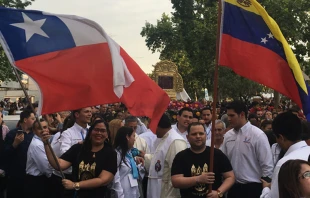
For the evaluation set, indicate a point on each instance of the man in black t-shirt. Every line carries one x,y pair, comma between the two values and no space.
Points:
189,170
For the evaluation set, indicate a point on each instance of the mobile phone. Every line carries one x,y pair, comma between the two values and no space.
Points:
267,179
19,132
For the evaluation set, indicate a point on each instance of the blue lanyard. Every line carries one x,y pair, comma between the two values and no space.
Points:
133,165
83,134
207,130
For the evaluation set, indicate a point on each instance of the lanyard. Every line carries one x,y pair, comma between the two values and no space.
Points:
208,130
133,165
83,134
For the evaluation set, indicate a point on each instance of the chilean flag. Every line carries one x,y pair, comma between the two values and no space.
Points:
76,64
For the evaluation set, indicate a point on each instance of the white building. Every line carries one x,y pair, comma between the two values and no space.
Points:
14,91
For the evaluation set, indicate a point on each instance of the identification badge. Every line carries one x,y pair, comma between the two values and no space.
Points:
133,182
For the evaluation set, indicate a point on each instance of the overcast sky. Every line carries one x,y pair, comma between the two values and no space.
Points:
121,19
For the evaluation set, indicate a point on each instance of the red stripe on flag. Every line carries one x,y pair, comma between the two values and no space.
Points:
83,76
74,78
258,64
144,96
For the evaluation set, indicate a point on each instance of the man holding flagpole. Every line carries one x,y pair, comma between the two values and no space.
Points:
253,46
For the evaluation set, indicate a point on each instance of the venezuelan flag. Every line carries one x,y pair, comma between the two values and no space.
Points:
253,45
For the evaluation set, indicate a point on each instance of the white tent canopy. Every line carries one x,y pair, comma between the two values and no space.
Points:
183,96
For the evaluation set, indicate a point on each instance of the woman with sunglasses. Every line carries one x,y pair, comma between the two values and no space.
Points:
294,179
94,163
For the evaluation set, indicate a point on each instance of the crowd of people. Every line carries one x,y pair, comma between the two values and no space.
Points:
104,151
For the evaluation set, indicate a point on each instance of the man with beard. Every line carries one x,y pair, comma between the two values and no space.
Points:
190,172
206,114
184,118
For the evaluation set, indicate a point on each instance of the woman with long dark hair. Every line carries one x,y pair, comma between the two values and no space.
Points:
94,163
294,179
127,168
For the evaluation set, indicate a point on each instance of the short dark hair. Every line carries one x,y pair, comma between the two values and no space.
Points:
288,125
116,114
75,111
265,123
253,115
238,106
164,122
25,114
131,119
36,123
206,108
305,135
185,109
195,124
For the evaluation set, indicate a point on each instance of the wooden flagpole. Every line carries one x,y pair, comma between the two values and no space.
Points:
215,87
32,108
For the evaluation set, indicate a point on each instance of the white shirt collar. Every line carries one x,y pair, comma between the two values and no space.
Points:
243,128
295,147
79,128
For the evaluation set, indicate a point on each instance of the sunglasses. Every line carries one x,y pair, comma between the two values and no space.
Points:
305,175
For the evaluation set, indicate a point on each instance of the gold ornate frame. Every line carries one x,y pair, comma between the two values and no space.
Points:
168,68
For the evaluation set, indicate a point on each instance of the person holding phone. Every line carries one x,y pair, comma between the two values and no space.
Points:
15,150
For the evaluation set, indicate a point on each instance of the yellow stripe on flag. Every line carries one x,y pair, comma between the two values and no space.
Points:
290,56
251,8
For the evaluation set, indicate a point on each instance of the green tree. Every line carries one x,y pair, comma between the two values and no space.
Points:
188,38
236,87
6,73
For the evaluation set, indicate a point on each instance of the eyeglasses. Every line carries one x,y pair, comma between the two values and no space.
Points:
97,130
305,175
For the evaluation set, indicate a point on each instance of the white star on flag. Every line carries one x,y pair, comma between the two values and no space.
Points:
31,27
264,40
270,35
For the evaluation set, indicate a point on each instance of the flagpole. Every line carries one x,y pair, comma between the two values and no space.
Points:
215,87
37,119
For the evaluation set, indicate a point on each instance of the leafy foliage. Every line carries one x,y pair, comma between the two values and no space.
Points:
188,38
6,73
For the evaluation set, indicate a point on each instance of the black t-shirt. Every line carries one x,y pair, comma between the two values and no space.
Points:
89,166
191,164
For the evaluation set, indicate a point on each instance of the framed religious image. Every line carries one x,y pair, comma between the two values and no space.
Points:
165,82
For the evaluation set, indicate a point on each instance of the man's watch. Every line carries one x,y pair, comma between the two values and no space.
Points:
219,193
76,186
